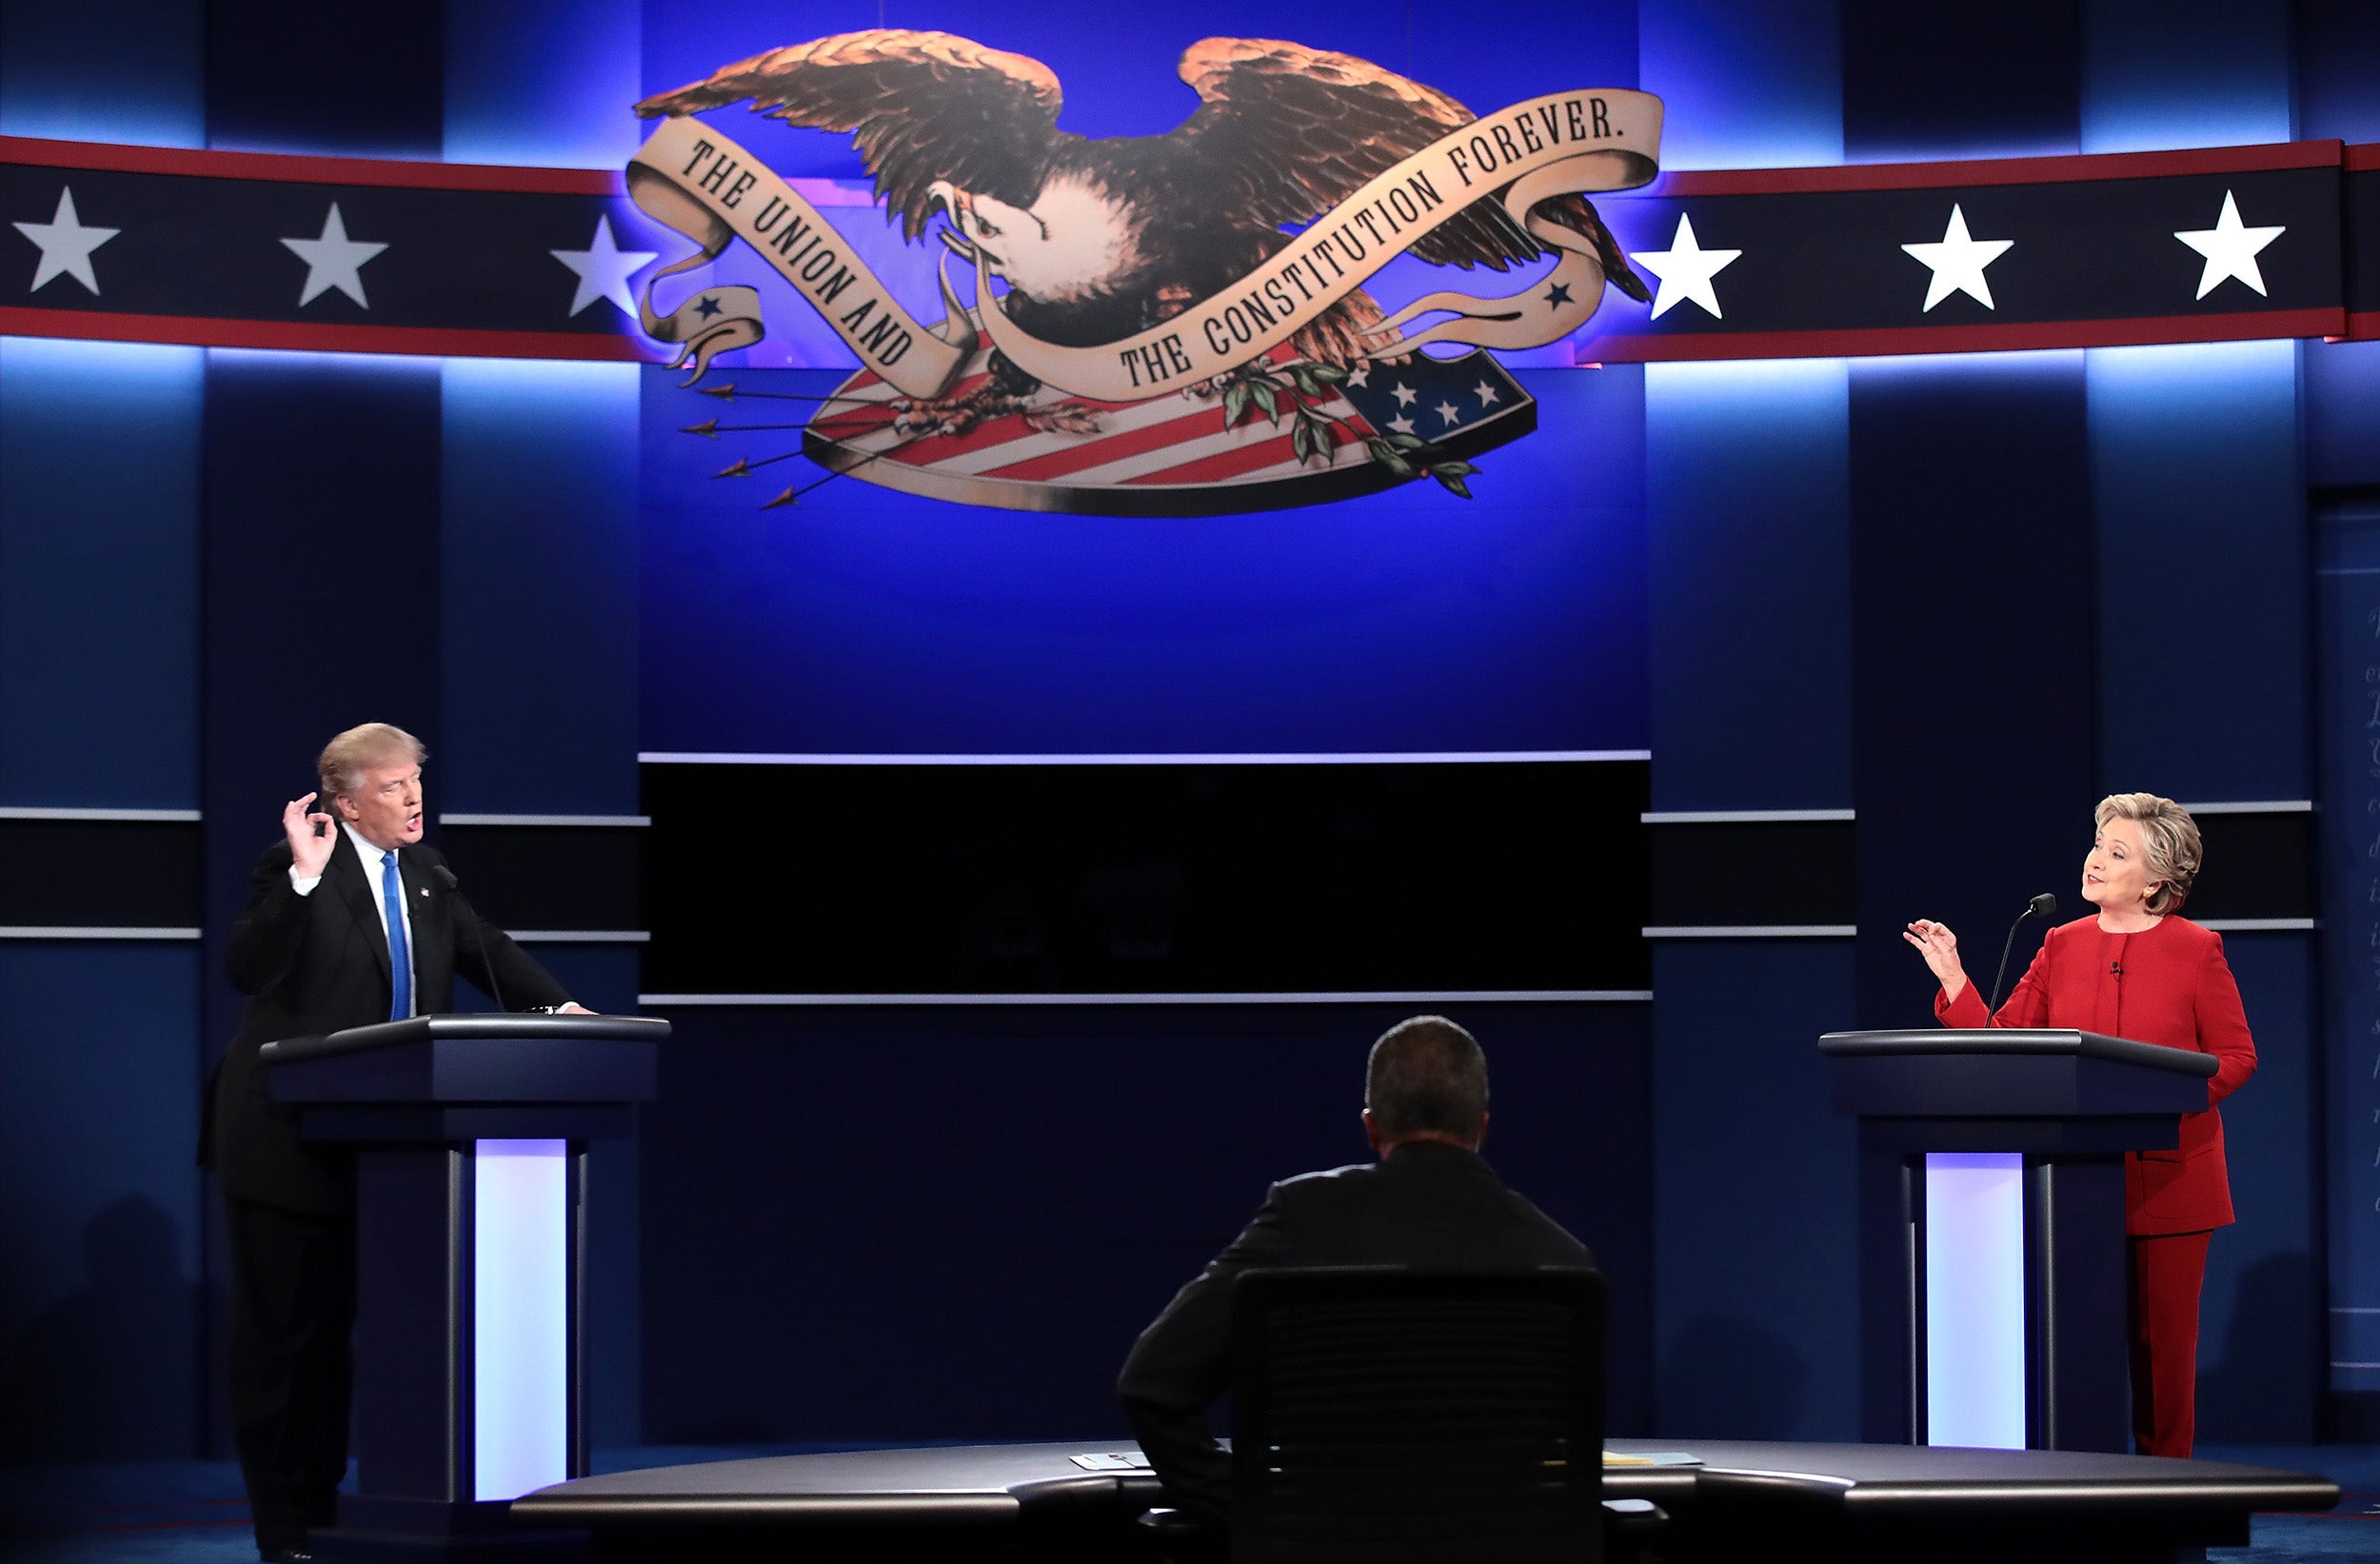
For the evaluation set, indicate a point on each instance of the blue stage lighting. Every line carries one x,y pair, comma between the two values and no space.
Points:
1976,1299
519,1317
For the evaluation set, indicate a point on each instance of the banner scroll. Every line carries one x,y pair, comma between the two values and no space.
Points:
1561,144
705,187
695,180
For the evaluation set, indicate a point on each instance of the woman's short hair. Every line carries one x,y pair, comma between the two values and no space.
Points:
2169,839
358,749
1426,1077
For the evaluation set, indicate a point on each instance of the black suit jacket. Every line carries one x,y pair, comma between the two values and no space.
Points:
316,964
1428,1205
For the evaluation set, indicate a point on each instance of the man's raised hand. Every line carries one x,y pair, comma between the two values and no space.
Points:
309,853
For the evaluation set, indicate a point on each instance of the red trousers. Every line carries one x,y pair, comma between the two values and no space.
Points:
2164,1276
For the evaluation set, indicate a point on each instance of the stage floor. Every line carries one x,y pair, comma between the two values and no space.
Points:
193,1512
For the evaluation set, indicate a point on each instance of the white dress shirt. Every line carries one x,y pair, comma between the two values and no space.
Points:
373,869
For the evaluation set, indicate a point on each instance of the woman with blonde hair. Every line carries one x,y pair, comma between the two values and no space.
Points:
2133,969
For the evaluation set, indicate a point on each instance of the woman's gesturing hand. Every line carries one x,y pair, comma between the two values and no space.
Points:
1939,946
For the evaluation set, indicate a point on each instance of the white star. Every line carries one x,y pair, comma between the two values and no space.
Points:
333,261
1485,392
1685,270
604,270
2229,249
1404,394
1360,374
1448,411
1401,425
1957,263
66,245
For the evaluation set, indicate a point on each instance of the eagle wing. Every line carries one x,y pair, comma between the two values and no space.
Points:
922,107
1292,131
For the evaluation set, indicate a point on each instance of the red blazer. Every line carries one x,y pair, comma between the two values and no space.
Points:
2175,990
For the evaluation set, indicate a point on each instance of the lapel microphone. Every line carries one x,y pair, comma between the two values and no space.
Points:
495,985
2040,906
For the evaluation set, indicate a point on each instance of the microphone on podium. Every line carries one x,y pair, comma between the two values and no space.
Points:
454,888
2040,906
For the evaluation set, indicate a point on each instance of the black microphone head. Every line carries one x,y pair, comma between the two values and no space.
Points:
2042,905
446,877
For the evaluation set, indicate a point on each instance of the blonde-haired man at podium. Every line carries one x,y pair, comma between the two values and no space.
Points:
351,920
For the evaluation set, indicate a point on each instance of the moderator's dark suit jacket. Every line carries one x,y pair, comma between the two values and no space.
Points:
311,964
1425,1204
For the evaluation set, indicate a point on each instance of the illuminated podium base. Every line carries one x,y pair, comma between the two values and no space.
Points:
1991,1227
469,1137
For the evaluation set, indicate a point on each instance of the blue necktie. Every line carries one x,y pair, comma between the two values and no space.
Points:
399,957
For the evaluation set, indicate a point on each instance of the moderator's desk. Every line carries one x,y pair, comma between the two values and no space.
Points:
1748,1500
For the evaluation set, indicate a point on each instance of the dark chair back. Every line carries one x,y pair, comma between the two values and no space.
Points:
1382,1414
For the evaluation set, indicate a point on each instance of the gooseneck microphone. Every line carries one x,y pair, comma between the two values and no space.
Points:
2040,906
496,987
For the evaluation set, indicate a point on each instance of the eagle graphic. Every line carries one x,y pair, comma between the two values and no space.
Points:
1099,239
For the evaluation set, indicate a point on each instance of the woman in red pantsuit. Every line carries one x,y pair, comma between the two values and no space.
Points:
2134,970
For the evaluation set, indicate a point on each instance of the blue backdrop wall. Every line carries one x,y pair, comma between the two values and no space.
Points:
1943,603
875,622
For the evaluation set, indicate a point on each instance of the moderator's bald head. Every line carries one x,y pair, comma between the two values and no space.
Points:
1427,1076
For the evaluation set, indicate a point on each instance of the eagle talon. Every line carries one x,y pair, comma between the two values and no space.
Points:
1062,418
917,417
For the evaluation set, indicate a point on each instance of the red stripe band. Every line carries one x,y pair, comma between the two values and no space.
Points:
1222,465
1196,424
2007,171
309,171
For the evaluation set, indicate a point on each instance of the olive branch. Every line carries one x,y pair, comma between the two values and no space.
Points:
1296,388
1409,455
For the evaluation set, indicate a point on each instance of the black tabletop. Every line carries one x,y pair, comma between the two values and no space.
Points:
998,1484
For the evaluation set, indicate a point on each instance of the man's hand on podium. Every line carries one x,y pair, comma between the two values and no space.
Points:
573,1008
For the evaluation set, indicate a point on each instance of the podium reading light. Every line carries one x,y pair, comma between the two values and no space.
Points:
520,1316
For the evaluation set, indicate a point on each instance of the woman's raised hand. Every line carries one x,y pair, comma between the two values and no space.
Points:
1939,946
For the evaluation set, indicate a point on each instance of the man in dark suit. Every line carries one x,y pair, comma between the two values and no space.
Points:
1429,1201
350,921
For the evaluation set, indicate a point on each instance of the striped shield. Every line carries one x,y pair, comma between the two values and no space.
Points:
1204,451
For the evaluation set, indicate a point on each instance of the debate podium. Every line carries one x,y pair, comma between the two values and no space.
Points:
1991,1226
470,1135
